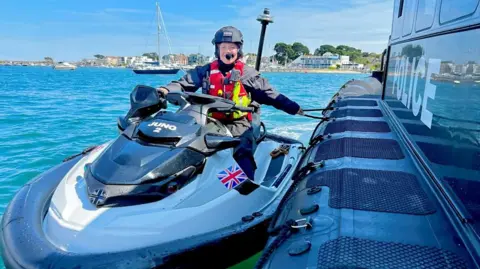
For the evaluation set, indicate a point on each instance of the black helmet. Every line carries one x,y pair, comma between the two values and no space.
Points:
228,34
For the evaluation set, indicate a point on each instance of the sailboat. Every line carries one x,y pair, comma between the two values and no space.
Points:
159,68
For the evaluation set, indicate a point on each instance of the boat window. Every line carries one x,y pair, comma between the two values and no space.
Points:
397,24
425,14
400,10
453,9
432,88
408,16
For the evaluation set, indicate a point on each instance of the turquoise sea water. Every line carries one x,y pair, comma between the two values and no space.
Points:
47,115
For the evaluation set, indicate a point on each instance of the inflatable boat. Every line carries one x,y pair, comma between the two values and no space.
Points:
392,178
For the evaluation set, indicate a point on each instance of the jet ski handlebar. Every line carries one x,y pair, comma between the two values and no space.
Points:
235,108
244,109
182,99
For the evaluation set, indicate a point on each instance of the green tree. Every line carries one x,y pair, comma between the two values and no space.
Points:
165,58
99,56
151,55
283,52
376,66
48,59
299,49
411,52
324,49
347,49
362,60
354,53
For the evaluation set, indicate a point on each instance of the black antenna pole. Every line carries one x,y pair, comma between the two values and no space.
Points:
264,19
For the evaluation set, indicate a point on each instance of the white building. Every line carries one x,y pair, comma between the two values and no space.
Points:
130,60
460,68
476,68
324,61
344,59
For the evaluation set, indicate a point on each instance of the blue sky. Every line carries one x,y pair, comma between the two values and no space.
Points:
73,30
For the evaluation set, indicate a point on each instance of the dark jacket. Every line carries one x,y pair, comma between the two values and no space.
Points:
258,87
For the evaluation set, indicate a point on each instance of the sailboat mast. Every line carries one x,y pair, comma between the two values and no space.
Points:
166,34
158,34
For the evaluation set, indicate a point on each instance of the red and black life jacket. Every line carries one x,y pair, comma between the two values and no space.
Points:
222,86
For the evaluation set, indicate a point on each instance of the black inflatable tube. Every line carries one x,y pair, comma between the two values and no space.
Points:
21,223
24,245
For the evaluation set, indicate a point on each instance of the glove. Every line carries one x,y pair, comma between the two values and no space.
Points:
162,91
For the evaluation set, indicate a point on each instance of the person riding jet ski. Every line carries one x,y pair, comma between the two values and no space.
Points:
167,192
230,78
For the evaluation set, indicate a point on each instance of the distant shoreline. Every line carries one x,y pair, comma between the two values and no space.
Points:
311,71
286,70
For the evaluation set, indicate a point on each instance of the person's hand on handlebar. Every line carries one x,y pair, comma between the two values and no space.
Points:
163,91
300,112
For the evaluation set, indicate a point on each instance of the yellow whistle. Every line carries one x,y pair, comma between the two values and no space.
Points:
220,93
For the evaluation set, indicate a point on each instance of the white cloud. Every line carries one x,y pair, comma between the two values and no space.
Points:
365,26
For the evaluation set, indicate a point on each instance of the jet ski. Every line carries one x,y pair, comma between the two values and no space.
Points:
166,193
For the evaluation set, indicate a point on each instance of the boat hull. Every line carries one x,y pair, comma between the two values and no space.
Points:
64,68
157,72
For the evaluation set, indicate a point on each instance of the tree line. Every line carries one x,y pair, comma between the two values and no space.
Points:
289,52
151,55
284,52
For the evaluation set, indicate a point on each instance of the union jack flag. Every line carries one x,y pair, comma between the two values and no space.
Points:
232,176
97,197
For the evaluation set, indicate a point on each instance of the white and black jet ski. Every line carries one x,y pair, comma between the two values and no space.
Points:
167,193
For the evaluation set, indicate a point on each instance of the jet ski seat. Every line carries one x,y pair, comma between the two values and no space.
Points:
256,126
216,127
257,123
